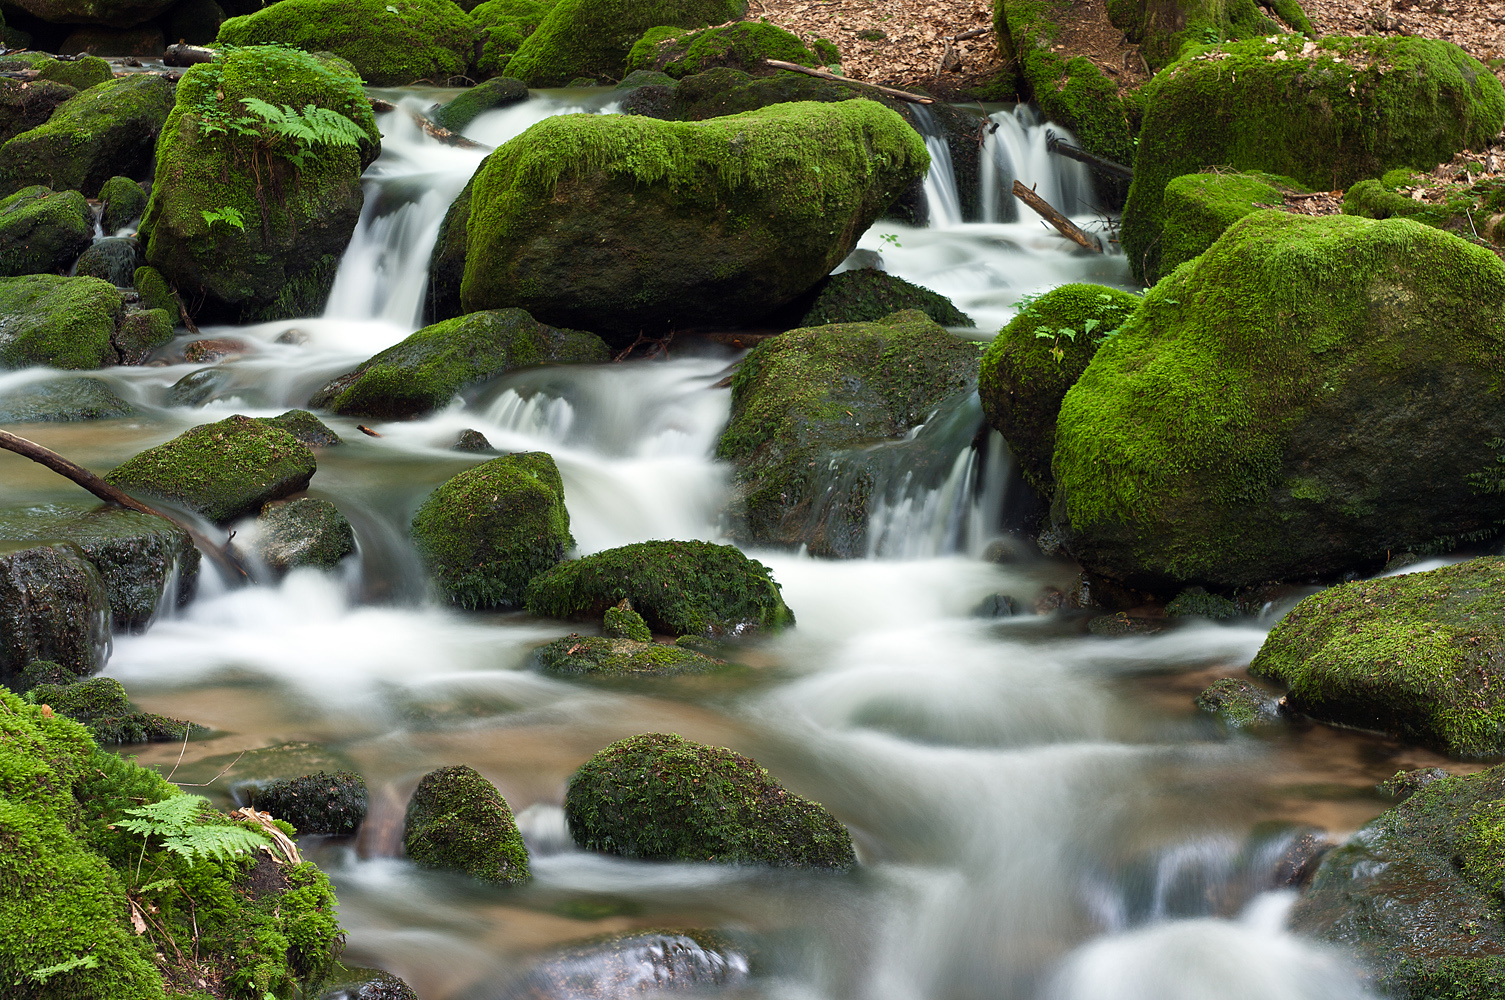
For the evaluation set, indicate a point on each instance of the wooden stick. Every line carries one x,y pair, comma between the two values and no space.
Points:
1058,145
1063,225
221,555
444,135
821,74
975,32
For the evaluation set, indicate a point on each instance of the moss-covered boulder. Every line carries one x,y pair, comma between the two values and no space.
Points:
113,259
500,92
604,656
101,705
625,225
1325,113
502,26
106,130
1239,704
222,471
155,291
660,797
800,397
1416,893
447,261
1470,207
591,38
742,45
48,319
324,802
427,370
1162,28
53,607
25,105
1306,396
866,294
720,92
62,400
622,622
43,231
141,332
1033,361
306,428
295,216
457,820
1199,207
680,588
389,44
488,531
302,532
80,72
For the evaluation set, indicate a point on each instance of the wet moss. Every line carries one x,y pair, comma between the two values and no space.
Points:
1238,703
661,797
324,803
42,231
597,656
80,73
503,26
306,428
866,295
1199,207
1162,28
1197,602
143,727
124,203
155,292
721,92
61,322
302,532
141,332
457,820
498,93
622,622
83,701
742,45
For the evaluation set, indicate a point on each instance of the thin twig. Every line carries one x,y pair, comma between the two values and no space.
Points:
186,730
206,784
821,74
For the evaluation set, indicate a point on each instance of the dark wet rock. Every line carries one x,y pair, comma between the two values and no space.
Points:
204,352
366,984
324,802
457,820
447,262
720,92
744,45
500,92
1124,624
53,606
471,440
306,428
141,332
62,322
113,259
688,961
62,400
1404,784
1196,602
605,656
198,388
302,532
43,231
679,588
1300,848
195,22
146,41
223,471
622,622
866,295
1239,703
487,532
661,797
994,606
25,105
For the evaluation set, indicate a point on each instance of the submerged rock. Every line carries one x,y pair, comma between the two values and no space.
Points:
113,259
324,802
366,984
1125,624
659,797
60,322
867,295
471,440
501,92
53,606
599,656
124,203
647,963
63,399
303,532
43,231
458,820
1238,703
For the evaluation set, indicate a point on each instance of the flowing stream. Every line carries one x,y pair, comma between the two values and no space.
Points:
1039,813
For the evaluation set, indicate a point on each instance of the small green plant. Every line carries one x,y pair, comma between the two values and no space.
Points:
892,239
229,215
175,823
81,962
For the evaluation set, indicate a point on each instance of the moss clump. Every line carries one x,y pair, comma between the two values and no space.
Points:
866,295
621,622
106,130
583,219
144,727
80,73
155,291
1163,28
1028,367
141,332
577,655
124,203
498,93
1306,395
389,44
1199,207
223,471
591,38
680,588
503,26
39,672
306,428
1352,108
1198,603
303,532
324,802
429,368
100,703
42,231
743,45
459,821
663,798
46,319
487,532
1469,209
1238,703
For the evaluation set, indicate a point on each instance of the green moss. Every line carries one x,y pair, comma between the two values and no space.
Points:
324,802
1352,109
721,92
1197,602
459,821
503,27
743,45
42,231
621,622
429,368
80,74
661,797
581,655
302,532
141,332
62,322
306,428
497,93
1163,28
1022,382
155,292
1238,703
866,295
1468,209
124,203
223,471
490,530
1199,207
83,701
144,727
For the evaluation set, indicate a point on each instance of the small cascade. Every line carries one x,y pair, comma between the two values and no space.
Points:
1016,150
940,182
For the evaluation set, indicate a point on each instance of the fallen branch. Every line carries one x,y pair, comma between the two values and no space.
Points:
222,556
974,33
188,55
444,135
821,74
1063,225
1058,145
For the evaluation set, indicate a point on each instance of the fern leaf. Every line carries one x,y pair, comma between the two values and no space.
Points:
214,841
168,816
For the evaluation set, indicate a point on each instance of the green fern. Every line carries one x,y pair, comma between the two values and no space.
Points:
175,822
229,215
81,962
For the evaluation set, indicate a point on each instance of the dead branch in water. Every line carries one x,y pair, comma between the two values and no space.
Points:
1063,225
821,74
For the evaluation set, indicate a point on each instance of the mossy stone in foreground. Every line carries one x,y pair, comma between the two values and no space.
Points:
324,802
743,45
1199,207
865,295
1417,656
457,820
43,231
83,701
603,656
500,92
302,532
680,588
61,322
53,606
223,470
1306,396
660,797
488,531
1022,382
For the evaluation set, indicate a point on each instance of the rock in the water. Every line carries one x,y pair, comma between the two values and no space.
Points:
1307,395
447,261
81,73
46,319
323,802
210,350
801,397
472,441
141,332
663,798
994,606
680,588
39,672
426,370
24,106
1200,207
1404,784
724,91
198,388
223,471
624,225
597,656
501,92
43,231
458,820
490,530
1033,361
63,399
113,259
867,295
1239,703
744,45
1196,602
53,606
83,701
622,622
366,984
677,962
1125,624
303,532
306,428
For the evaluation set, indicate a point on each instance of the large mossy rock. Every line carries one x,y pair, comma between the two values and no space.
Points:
1416,893
1420,656
624,224
1324,113
800,397
866,295
47,319
1033,361
43,231
457,820
106,130
743,45
720,92
53,607
427,370
680,588
1162,28
80,72
660,797
502,26
222,471
333,804
25,105
490,530
1307,395
297,220
389,44
1200,207
591,38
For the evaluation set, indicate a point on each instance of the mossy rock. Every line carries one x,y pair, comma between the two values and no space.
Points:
1239,704
60,322
43,231
659,797
585,220
109,129
80,73
302,532
457,820
503,26
1351,109
1306,396
721,92
1162,28
425,371
62,400
154,289
113,259
1196,602
354,983
866,295
100,703
490,530
53,607
742,45
25,105
323,803
282,263
141,332
603,656
124,203
447,261
1415,894
1023,380
622,622
222,471
144,727
1199,207
39,672
1472,211
306,428
501,92
801,397
591,38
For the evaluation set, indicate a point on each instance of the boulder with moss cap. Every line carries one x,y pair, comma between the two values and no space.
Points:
53,607
608,656
124,201
457,820
43,231
1200,207
500,92
25,105
323,802
743,45
61,322
305,532
865,295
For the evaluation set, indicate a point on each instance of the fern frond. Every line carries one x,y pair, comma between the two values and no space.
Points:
168,816
221,842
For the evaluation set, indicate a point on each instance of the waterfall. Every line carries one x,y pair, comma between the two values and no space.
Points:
1015,149
940,182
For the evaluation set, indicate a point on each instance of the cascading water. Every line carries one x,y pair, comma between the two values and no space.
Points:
940,183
